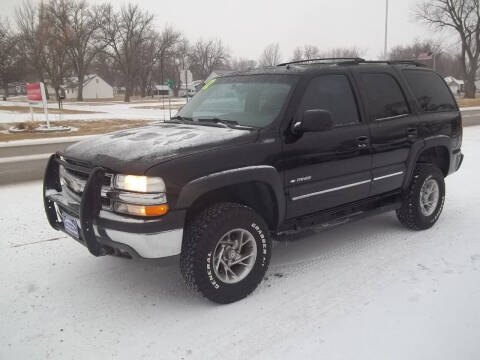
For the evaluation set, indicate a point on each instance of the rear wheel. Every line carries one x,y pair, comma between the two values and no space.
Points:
424,199
225,252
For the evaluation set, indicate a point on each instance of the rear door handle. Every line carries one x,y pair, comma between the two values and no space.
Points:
363,141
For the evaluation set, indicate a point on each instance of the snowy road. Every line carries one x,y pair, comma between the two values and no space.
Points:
367,290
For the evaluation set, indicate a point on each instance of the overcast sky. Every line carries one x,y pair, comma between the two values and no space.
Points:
247,26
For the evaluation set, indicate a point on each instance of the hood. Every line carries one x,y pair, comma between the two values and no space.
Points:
135,150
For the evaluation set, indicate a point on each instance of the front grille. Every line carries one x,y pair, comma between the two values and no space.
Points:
74,177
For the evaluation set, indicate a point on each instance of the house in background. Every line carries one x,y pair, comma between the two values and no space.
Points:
94,87
455,85
14,89
162,90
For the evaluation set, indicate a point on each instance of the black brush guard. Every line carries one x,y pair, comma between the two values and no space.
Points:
88,210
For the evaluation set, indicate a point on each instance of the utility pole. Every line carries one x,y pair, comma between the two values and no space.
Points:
386,30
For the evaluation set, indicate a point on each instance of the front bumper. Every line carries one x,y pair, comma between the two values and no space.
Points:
104,232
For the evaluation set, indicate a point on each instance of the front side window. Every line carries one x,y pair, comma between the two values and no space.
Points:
332,93
430,91
252,100
385,98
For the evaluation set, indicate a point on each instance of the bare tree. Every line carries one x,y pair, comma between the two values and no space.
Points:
33,36
242,64
56,63
310,52
147,58
207,55
307,52
271,55
170,40
297,54
124,33
463,18
415,50
352,52
430,53
107,69
9,56
41,44
77,25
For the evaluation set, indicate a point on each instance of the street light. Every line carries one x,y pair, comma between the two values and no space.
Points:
386,30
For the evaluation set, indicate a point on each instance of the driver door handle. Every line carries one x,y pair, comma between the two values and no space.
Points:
412,132
363,141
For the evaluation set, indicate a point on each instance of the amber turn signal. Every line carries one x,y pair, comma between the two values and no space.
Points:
156,210
140,210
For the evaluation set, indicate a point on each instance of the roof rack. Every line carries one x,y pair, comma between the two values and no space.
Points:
396,62
352,61
331,60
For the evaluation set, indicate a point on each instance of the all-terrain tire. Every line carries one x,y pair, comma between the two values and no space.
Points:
202,234
410,214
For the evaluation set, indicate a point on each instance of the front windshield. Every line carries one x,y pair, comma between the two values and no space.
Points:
251,100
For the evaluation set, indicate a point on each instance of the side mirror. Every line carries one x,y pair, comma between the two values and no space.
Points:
313,121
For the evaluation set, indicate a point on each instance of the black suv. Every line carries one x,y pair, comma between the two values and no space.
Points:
257,154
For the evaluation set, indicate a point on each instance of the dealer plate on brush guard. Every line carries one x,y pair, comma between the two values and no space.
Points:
70,225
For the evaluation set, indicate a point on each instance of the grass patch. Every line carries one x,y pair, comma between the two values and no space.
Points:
468,102
83,128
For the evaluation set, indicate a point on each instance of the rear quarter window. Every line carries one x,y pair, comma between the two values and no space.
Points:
430,91
385,97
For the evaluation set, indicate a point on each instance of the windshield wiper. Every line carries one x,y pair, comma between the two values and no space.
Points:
227,123
216,120
182,118
211,120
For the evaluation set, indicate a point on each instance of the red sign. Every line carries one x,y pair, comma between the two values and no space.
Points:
33,92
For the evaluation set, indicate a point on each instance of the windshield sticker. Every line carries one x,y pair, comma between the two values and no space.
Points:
208,84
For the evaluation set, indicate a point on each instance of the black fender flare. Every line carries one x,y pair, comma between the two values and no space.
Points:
419,147
262,173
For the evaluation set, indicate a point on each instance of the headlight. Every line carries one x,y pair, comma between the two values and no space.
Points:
144,184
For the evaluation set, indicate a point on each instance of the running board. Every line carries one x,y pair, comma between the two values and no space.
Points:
342,215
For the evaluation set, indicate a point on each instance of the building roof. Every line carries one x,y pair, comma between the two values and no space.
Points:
451,80
72,82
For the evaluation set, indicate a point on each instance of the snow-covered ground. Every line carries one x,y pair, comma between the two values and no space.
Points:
102,111
367,290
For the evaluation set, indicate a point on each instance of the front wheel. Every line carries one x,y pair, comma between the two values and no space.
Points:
225,252
424,199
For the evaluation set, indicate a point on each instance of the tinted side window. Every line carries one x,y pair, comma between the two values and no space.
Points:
332,93
385,98
431,92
